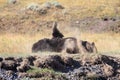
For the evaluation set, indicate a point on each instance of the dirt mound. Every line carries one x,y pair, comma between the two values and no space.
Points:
9,65
102,67
24,66
56,63
71,68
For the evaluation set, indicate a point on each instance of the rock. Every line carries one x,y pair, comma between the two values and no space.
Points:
31,59
12,1
56,65
57,5
70,62
1,78
9,65
25,61
22,75
35,75
105,18
107,69
47,5
38,63
77,22
91,74
24,66
42,11
55,62
19,59
113,19
9,73
118,71
33,6
1,59
1,64
10,58
117,77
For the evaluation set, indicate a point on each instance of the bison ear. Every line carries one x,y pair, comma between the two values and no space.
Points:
93,43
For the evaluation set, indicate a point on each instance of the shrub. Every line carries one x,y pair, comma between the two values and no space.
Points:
33,6
57,5
12,1
47,5
37,8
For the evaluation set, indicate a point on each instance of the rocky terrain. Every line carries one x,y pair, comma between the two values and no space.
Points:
100,67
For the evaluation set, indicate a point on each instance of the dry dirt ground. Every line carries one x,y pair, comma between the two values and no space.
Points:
21,23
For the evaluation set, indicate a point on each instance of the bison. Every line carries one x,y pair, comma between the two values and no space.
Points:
60,44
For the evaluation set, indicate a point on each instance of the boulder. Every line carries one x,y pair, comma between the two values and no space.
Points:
1,59
9,65
9,58
24,66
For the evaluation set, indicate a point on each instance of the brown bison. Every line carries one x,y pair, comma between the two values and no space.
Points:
60,44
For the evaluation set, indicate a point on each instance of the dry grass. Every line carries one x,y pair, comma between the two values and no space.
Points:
17,43
105,42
